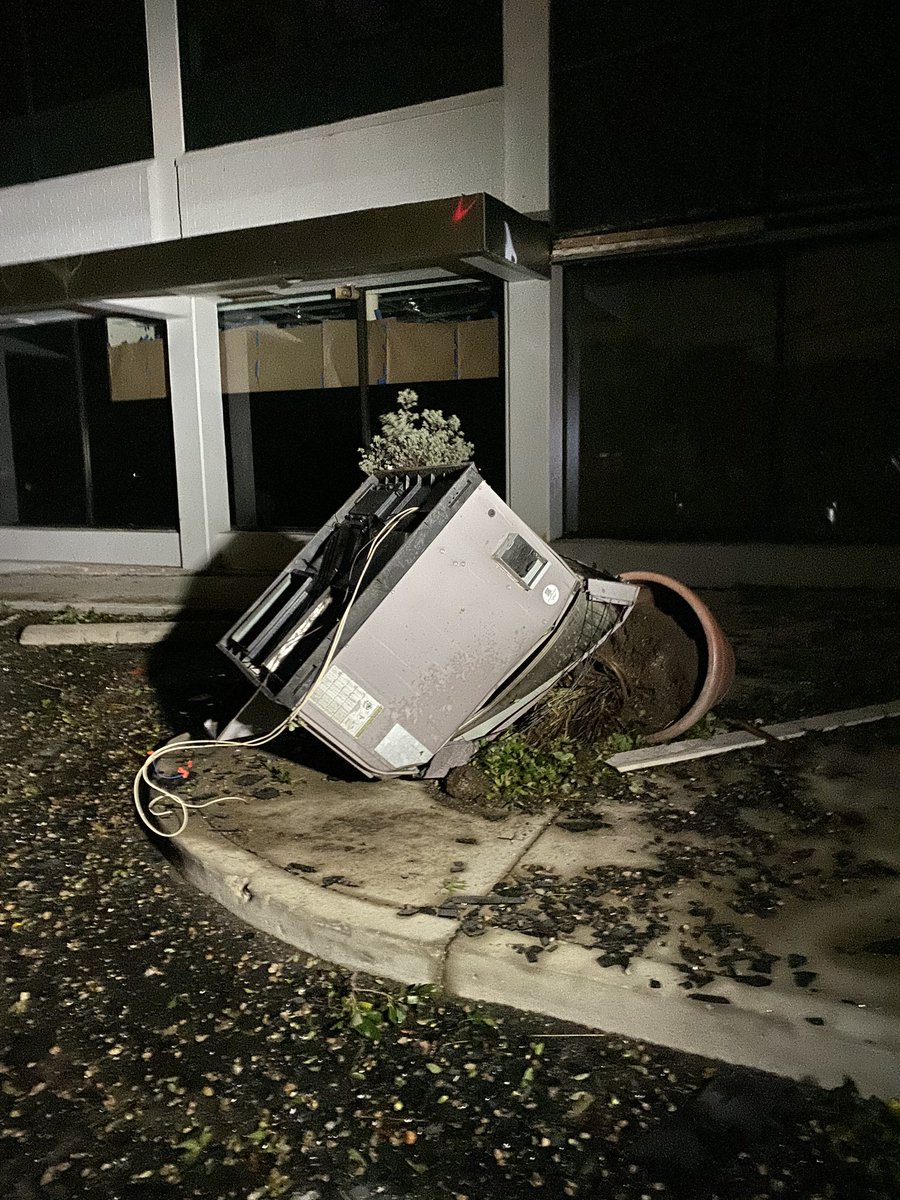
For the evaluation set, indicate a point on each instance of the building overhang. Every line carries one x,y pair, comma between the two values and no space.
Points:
459,236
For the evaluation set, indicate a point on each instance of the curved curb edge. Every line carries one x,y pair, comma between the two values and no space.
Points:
363,935
347,930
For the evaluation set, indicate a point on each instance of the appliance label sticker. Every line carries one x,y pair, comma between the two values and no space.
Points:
344,701
401,749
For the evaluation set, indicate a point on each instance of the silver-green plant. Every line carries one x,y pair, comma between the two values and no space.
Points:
411,439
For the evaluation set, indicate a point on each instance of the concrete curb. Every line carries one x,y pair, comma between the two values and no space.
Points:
343,929
570,986
110,608
91,585
756,1029
117,633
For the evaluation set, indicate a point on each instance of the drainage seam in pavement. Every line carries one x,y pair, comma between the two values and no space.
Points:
526,846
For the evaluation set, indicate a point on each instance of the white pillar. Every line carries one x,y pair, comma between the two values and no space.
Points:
199,431
528,392
557,431
526,25
526,105
161,18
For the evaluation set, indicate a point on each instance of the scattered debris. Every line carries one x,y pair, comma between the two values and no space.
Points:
167,1048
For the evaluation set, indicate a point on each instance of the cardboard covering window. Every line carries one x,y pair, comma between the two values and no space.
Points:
420,353
339,353
137,370
234,360
478,349
264,358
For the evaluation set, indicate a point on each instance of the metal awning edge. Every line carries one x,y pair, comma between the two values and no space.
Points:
463,234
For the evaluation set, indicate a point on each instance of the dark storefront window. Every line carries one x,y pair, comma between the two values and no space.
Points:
292,64
74,90
665,114
737,395
296,415
87,439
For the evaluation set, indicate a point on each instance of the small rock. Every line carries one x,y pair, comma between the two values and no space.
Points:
753,980
764,964
466,783
582,824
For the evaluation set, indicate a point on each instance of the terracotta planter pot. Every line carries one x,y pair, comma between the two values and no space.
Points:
714,658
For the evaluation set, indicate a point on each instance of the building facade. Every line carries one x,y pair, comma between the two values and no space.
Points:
706,383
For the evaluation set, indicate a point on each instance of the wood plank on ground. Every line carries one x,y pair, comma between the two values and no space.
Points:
721,743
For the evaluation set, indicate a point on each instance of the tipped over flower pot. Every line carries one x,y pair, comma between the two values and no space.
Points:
672,657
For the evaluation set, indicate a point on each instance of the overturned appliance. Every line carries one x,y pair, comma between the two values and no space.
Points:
424,616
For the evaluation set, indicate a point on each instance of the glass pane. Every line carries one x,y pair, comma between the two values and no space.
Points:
292,410
385,54
129,421
657,112
48,481
75,92
680,112
744,400
90,425
299,63
15,149
839,435
835,103
673,370
305,455
444,341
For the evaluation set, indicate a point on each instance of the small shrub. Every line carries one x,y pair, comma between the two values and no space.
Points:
411,439
382,1012
526,775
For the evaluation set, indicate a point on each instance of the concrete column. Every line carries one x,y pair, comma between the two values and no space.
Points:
528,392
199,430
161,17
526,109
526,78
556,458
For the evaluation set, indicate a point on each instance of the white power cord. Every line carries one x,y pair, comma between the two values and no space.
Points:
162,796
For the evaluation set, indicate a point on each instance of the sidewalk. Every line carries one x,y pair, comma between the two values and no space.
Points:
742,908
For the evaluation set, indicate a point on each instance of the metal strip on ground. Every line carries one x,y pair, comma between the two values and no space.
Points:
673,752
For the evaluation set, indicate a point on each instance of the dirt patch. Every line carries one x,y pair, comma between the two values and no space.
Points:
659,653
